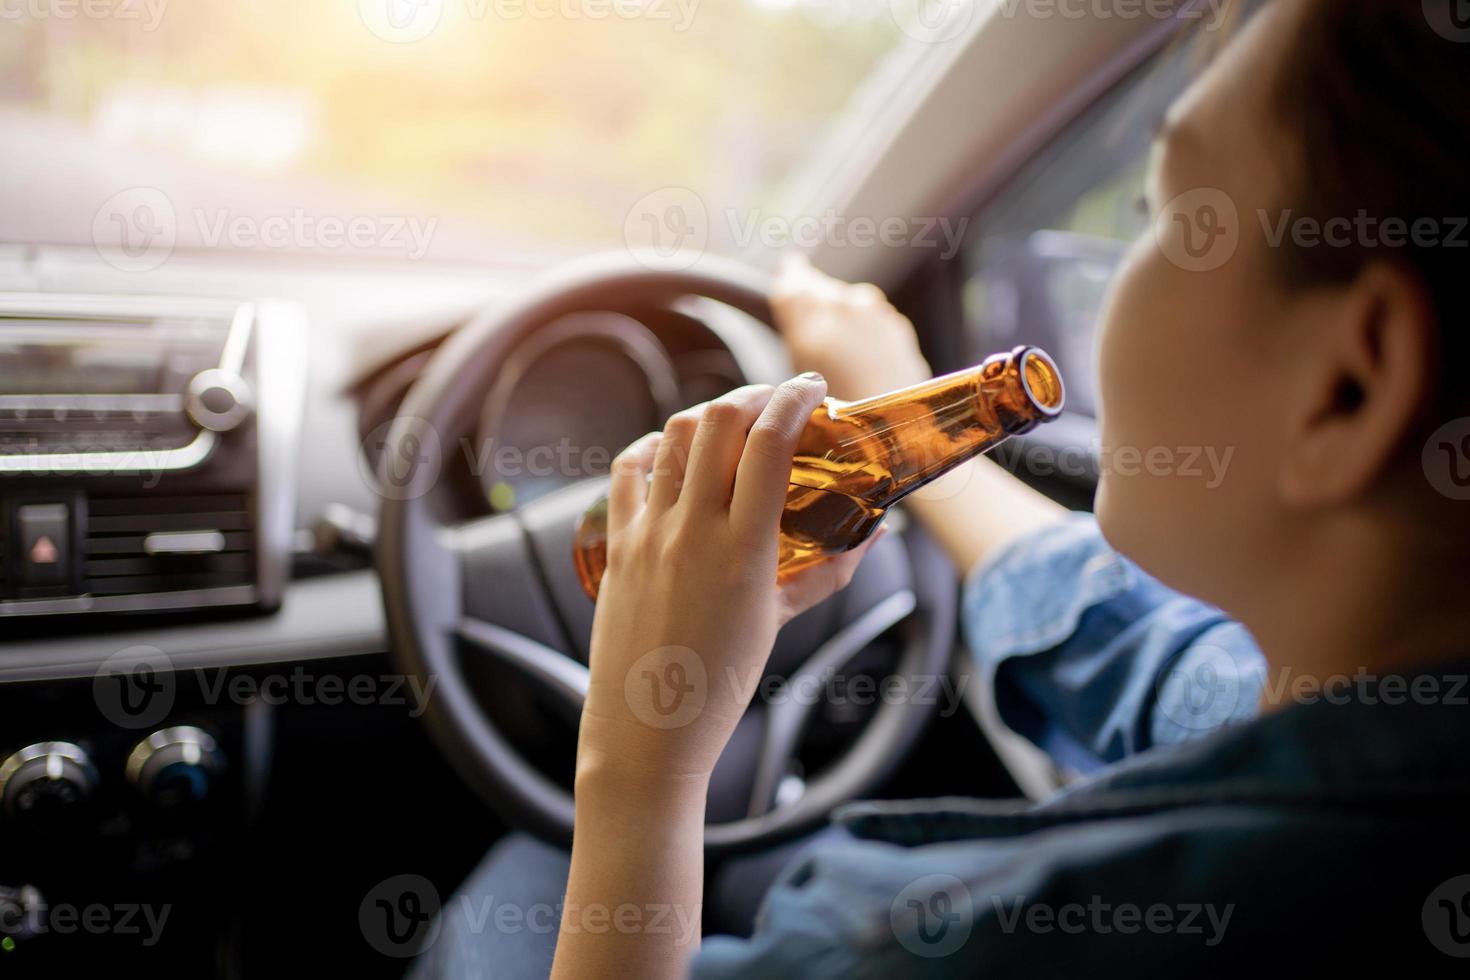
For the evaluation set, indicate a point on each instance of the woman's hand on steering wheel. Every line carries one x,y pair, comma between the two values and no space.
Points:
847,331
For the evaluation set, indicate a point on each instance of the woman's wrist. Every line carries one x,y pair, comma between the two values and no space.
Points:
851,382
606,783
623,752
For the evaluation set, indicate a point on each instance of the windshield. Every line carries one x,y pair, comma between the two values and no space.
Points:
422,129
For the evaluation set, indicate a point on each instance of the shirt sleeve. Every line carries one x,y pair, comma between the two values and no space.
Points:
1092,660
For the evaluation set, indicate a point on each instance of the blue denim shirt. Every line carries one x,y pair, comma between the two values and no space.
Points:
1094,661
1212,844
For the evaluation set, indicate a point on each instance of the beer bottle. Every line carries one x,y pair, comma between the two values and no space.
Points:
856,459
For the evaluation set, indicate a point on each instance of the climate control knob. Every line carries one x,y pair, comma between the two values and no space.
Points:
45,784
176,768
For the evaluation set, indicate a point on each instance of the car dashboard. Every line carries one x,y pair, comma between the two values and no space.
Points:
146,452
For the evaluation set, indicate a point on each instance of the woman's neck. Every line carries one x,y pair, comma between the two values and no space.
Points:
1394,600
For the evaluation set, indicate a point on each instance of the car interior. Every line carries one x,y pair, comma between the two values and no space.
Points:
320,324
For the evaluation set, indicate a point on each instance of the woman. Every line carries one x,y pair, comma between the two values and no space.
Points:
1323,827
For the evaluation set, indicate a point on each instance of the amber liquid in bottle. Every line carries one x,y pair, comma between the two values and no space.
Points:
857,459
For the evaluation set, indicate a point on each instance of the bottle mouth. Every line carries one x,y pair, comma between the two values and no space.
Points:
1042,381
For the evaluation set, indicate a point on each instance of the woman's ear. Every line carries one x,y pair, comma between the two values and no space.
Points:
1369,372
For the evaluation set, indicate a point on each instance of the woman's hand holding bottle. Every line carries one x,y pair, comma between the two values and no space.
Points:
689,606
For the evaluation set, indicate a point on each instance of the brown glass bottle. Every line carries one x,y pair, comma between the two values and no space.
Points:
857,459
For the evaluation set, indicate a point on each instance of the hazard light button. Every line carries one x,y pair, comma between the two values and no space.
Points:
45,544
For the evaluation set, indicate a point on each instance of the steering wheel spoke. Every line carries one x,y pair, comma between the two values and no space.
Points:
500,583
551,670
786,717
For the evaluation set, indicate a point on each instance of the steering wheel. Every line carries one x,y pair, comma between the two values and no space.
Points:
505,587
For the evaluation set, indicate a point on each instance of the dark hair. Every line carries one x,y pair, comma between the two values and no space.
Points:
1376,95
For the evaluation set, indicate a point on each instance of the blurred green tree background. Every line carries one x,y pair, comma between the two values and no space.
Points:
542,126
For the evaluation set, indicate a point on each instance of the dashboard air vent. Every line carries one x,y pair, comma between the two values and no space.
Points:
159,543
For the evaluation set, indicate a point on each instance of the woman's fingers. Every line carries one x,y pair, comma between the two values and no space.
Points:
797,280
672,458
791,274
710,478
764,470
813,584
865,295
629,486
705,453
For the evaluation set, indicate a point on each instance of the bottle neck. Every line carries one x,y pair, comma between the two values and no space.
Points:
912,436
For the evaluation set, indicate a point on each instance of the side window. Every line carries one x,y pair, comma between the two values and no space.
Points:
1046,246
